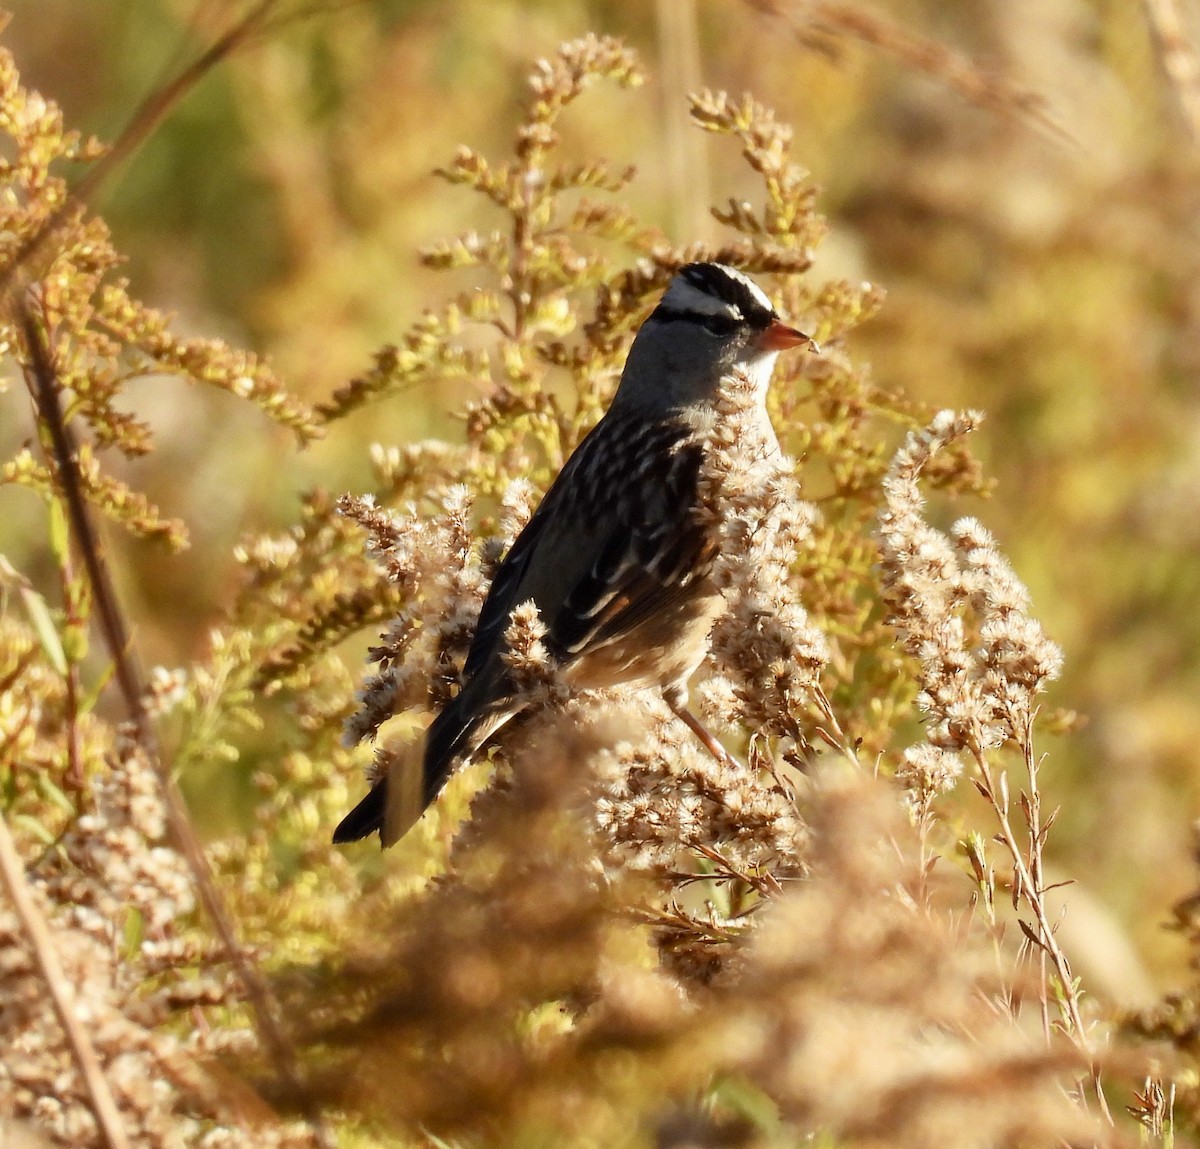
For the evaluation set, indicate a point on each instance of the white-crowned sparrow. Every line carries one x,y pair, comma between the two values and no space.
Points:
617,555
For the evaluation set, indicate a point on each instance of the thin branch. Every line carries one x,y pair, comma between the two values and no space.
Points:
1031,807
766,883
43,385
683,923
1046,936
834,737
104,1106
44,388
75,776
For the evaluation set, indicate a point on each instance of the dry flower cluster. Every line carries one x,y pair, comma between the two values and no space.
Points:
112,894
627,940
773,654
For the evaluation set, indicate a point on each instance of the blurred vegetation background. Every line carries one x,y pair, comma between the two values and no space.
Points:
1019,175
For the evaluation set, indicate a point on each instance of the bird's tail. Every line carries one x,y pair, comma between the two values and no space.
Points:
365,818
454,735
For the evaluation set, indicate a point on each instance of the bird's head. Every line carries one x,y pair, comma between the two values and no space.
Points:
711,321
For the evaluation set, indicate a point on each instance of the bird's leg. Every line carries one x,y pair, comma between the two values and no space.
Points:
678,704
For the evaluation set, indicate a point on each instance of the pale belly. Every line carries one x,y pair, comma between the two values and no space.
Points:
664,650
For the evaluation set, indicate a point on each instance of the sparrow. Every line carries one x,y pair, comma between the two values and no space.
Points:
618,555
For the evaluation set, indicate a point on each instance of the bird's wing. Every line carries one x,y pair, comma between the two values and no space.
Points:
650,550
615,540
512,584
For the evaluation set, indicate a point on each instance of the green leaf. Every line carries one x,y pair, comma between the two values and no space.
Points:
748,1101
34,827
43,624
87,702
75,643
60,535
133,932
50,790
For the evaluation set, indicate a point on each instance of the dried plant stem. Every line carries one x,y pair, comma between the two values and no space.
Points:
926,857
831,732
1031,805
687,167
24,661
1027,874
75,775
766,883
152,111
959,73
678,920
522,246
12,873
120,646
1179,59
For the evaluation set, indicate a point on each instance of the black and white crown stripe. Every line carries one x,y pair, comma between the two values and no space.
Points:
703,290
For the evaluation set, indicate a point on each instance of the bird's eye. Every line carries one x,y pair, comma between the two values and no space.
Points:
719,325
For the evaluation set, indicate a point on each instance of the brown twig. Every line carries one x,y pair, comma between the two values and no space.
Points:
15,727
43,386
1027,886
104,1106
766,883
834,737
145,119
75,774
1031,807
676,920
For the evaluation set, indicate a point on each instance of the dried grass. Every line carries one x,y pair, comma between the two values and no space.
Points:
602,934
